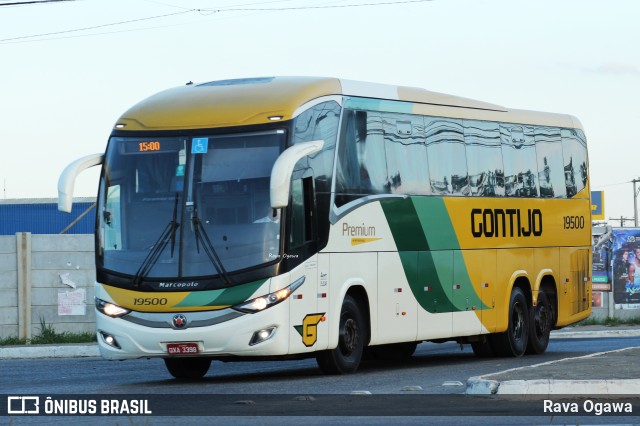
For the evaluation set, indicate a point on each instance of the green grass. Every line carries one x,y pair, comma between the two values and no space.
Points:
49,335
610,322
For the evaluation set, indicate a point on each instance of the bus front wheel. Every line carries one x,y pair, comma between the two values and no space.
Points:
345,358
187,368
513,342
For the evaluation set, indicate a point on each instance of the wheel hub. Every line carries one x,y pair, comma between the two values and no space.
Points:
350,335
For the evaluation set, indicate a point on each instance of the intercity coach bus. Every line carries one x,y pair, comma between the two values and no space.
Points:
297,216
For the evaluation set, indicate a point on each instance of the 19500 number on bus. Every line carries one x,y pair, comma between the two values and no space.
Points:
573,222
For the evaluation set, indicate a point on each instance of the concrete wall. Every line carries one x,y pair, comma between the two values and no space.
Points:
38,274
610,309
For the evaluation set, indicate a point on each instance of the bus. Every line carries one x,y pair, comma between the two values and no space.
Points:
292,217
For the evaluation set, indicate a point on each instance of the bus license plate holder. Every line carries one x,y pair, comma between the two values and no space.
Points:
183,348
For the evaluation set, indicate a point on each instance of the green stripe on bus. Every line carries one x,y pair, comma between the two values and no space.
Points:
405,226
465,297
223,297
430,254
427,279
436,224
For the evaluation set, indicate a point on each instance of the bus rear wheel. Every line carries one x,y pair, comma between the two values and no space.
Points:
540,323
187,368
513,342
345,358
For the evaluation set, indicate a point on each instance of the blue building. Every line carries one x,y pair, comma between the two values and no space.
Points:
41,216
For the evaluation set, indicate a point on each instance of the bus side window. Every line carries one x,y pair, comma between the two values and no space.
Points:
447,156
575,161
362,166
406,154
319,123
550,163
520,165
484,158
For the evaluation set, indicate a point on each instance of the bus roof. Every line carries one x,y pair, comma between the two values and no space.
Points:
260,100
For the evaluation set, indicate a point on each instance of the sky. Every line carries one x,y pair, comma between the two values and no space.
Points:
69,69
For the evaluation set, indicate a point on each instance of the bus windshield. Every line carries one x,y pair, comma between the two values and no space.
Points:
188,207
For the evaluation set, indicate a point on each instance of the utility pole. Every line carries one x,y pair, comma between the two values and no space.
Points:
622,220
635,202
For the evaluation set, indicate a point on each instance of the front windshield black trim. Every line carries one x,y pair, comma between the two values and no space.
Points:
264,271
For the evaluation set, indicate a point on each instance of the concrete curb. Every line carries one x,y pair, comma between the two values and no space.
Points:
479,386
562,334
487,385
49,351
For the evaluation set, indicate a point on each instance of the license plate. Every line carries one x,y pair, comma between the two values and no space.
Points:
182,348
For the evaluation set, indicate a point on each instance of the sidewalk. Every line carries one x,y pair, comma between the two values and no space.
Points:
49,351
604,373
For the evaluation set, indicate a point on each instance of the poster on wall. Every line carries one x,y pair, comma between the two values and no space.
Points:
596,299
600,261
625,270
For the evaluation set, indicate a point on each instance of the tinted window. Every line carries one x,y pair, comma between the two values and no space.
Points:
519,156
318,123
484,158
550,164
574,148
362,163
446,154
406,153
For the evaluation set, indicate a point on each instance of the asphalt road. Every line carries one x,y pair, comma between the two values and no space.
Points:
436,371
436,368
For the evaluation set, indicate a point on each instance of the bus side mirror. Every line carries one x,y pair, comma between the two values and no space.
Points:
67,179
283,169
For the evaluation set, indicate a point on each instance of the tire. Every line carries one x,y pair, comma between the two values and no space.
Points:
187,368
345,358
394,351
540,323
513,342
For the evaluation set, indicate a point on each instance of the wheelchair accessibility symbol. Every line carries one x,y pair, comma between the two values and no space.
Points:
200,145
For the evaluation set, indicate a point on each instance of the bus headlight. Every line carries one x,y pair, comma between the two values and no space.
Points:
110,310
268,300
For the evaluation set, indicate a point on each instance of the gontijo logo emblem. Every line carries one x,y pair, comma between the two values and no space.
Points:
309,328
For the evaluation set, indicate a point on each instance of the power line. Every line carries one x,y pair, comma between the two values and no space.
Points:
210,11
336,6
615,184
20,3
12,39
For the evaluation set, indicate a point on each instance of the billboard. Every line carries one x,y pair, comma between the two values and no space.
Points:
597,205
625,267
601,260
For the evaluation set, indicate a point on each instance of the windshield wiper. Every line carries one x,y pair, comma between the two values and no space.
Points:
169,234
201,233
